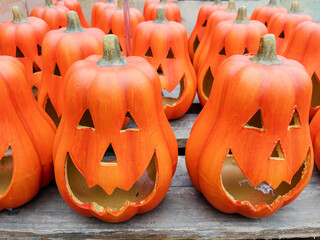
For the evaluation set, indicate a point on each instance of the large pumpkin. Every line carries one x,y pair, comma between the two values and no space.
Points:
103,167
172,11
27,135
250,150
283,25
22,38
197,33
61,48
98,11
54,16
231,37
165,45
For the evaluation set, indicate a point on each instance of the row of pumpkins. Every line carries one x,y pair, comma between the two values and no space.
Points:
114,151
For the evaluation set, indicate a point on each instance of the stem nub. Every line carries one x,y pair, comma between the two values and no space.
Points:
163,1
120,4
161,16
49,4
111,52
295,7
18,16
217,2
267,54
231,6
273,3
74,25
242,16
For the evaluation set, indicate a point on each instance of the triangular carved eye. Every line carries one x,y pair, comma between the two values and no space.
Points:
35,68
281,34
295,120
207,83
256,121
49,108
131,125
196,44
245,51
86,121
223,51
39,50
149,53
19,54
205,23
56,70
170,54
109,156
277,153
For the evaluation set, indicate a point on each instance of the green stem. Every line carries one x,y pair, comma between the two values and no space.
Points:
295,8
242,16
161,16
18,16
231,6
74,25
273,3
49,4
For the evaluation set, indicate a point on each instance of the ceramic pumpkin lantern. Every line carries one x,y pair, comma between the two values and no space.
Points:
283,25
54,16
165,45
73,5
22,38
197,33
61,48
232,37
27,135
98,11
250,150
103,167
172,11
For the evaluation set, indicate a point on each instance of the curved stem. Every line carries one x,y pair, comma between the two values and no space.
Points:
295,8
74,24
49,4
161,16
231,6
242,16
18,16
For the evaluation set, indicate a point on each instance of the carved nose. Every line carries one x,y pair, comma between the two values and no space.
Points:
277,153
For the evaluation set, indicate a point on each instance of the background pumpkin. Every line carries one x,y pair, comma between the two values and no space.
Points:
97,12
172,11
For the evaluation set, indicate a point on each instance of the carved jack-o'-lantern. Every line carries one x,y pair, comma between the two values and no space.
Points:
169,55
22,38
250,150
61,48
106,166
26,138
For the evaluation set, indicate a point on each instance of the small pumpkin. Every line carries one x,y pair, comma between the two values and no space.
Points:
148,2
27,135
169,55
73,5
22,38
197,33
231,37
250,149
283,25
105,168
61,48
172,11
54,16
264,13
98,11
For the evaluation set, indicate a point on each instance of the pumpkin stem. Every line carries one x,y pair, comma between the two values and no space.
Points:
109,1
111,52
49,4
18,16
161,16
242,15
120,4
267,54
231,6
295,8
273,3
74,25
163,1
217,2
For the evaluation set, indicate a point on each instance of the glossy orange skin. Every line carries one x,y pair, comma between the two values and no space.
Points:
26,36
286,22
160,38
55,17
96,13
172,11
242,87
303,47
109,92
264,13
64,49
315,136
27,129
73,5
205,11
234,37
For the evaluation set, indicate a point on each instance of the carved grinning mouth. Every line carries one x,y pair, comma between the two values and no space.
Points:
6,171
138,194
238,187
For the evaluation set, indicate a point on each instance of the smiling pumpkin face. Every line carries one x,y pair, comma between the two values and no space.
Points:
258,155
113,158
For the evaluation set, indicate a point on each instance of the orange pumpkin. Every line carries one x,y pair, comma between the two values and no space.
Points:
165,45
148,2
231,37
264,13
98,11
172,11
73,5
303,47
283,26
250,149
22,38
61,48
197,33
27,135
103,168
54,16
315,136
